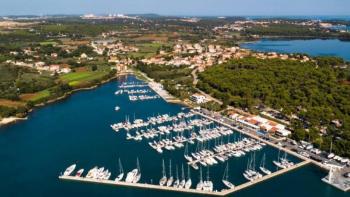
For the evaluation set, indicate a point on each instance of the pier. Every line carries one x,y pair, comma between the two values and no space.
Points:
139,185
264,178
183,190
157,87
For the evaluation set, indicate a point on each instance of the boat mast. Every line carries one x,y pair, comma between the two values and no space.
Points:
183,173
170,168
138,164
207,173
188,172
163,165
120,166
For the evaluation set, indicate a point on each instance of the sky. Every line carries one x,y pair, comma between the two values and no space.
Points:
178,7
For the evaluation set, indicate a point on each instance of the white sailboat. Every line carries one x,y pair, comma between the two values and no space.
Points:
208,185
69,170
134,175
163,180
262,165
121,171
200,183
225,178
177,181
171,178
183,179
189,181
138,175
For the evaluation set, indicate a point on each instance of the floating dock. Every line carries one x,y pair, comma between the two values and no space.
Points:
183,190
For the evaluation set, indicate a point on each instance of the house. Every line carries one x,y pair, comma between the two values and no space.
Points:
83,56
198,98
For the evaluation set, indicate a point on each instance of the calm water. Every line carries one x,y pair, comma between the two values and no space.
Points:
76,130
314,47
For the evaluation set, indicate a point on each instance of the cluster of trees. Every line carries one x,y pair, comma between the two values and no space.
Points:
15,80
312,92
176,80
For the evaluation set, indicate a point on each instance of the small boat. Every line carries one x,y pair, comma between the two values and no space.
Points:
117,108
225,180
69,170
79,173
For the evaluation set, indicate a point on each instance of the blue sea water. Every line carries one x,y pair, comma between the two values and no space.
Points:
76,130
314,47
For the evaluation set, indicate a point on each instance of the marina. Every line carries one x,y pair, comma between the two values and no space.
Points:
93,143
181,189
206,142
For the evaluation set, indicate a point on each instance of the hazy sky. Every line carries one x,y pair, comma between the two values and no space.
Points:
177,7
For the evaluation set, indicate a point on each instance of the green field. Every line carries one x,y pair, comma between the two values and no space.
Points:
48,42
40,95
78,78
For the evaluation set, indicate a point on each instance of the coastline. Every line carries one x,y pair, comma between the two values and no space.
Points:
14,119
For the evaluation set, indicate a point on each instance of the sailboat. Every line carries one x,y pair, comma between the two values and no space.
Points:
189,181
262,165
121,171
171,179
163,180
183,179
208,185
251,174
200,183
225,178
177,181
138,175
134,175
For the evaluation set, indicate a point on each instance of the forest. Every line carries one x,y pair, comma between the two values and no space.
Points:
314,92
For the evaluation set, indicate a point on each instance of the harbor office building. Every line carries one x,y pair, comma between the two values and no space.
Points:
260,125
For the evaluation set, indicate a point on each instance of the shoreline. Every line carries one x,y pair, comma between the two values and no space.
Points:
14,119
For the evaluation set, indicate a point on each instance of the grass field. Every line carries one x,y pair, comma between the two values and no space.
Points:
48,42
35,96
78,78
9,103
